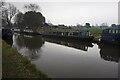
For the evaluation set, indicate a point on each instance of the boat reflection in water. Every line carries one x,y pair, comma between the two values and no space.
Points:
27,45
66,62
109,52
82,45
30,46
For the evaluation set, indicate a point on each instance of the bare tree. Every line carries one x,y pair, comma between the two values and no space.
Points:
5,20
3,11
32,7
2,3
7,13
12,10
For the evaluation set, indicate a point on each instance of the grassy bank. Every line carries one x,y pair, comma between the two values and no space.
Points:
96,32
14,65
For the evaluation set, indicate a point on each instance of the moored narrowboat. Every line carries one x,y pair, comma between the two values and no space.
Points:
83,34
111,35
7,34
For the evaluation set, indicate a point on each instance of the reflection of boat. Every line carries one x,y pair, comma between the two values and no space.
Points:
70,43
109,52
28,45
32,42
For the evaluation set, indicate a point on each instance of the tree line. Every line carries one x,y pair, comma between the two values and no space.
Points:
31,19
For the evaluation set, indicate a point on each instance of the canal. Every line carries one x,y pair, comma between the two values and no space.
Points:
62,58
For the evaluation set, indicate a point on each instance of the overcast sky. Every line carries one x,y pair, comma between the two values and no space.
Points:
73,12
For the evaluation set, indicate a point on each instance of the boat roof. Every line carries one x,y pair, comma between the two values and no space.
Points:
69,30
118,27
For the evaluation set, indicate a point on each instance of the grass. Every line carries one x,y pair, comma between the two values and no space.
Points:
14,65
96,32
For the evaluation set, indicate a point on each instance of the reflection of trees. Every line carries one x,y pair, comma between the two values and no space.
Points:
28,45
70,43
109,52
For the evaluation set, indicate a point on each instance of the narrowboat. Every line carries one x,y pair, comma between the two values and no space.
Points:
7,34
25,31
111,35
83,34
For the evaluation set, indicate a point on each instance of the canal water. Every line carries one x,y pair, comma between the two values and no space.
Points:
62,58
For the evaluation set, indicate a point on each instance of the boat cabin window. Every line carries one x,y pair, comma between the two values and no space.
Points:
84,33
113,31
75,33
119,31
105,31
116,31
110,31
88,33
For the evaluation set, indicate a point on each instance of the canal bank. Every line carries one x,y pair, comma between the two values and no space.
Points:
14,65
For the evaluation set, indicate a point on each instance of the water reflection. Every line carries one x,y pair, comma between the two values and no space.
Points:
65,62
70,43
28,45
109,52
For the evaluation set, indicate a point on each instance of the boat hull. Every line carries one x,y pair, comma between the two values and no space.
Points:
91,38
